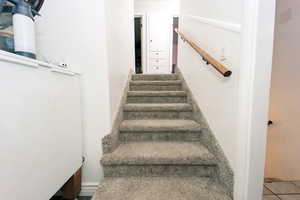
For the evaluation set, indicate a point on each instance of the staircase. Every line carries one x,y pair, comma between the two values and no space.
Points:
159,153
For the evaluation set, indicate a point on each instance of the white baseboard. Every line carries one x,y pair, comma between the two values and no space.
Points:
88,189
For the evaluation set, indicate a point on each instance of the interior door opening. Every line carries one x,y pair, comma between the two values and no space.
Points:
175,44
282,169
138,44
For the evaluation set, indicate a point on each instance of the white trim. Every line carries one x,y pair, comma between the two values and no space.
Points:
171,44
254,87
62,71
147,44
28,62
233,27
16,59
144,43
88,189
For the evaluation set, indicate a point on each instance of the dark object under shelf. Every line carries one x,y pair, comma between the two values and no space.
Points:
72,188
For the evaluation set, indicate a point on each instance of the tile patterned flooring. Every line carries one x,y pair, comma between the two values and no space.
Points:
282,191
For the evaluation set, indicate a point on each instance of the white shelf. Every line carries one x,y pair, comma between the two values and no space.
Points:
28,62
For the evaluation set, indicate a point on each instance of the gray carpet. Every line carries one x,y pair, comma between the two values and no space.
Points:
84,198
79,198
158,188
159,154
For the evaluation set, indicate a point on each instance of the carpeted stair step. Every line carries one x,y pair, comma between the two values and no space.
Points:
160,130
157,153
151,159
157,97
158,111
155,85
155,77
158,188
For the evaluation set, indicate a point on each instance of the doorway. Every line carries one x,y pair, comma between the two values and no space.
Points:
138,37
175,44
282,170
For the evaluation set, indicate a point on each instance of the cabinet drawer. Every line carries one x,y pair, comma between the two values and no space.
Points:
159,54
159,62
156,50
155,69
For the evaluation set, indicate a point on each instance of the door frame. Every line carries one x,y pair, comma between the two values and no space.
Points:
254,89
143,16
172,38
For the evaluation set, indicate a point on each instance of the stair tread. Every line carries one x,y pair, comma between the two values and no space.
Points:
159,153
160,125
157,93
158,188
154,75
158,107
167,82
138,77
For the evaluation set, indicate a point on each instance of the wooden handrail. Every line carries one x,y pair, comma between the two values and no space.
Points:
206,57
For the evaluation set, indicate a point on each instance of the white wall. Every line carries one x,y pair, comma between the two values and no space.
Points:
75,32
41,130
283,137
157,6
120,45
215,26
98,41
241,32
53,26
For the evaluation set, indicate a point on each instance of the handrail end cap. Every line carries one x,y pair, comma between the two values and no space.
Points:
227,74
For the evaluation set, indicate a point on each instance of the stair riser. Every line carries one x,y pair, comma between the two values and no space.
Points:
156,87
151,137
155,78
156,99
158,171
141,115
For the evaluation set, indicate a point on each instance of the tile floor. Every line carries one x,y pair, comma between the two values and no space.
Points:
282,191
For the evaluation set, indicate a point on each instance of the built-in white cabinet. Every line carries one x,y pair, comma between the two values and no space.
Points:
159,37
